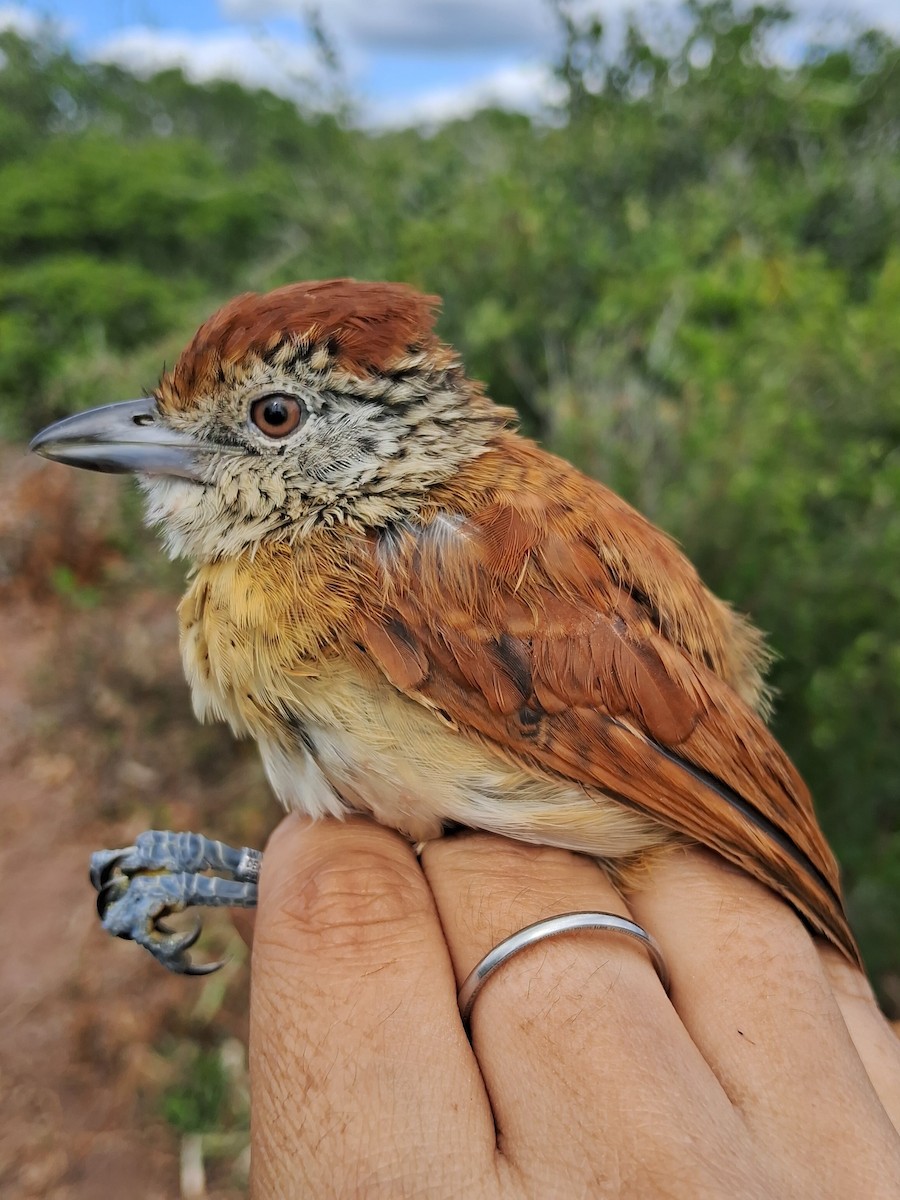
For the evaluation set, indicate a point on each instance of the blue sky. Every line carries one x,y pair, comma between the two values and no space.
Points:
405,59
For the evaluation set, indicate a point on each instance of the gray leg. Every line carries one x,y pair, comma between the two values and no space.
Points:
159,875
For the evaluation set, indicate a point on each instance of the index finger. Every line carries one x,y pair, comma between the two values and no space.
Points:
361,1074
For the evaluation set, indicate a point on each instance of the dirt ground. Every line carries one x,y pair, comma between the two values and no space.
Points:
115,1077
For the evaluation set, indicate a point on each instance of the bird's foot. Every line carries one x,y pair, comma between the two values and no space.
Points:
139,886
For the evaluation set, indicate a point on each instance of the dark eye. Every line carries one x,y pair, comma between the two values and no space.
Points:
276,416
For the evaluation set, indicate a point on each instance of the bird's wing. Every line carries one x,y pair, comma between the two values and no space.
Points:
526,638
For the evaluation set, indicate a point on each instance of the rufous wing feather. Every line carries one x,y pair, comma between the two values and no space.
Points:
549,620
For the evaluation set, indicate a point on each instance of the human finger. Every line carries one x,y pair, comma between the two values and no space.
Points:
361,1075
749,986
244,921
579,1047
876,1043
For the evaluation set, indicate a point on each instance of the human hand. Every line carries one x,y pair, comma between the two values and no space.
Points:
768,1072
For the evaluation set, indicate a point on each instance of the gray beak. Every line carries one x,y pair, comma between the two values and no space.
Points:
124,437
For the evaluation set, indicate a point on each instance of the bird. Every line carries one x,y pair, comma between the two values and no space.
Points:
421,615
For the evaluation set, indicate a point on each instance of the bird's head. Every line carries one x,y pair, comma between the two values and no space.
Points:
316,404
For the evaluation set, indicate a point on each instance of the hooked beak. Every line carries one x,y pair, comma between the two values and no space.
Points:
120,438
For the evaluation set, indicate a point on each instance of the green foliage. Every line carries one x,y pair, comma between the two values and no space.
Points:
206,1093
68,588
194,1105
688,282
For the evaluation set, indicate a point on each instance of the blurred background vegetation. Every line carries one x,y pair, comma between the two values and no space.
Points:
686,278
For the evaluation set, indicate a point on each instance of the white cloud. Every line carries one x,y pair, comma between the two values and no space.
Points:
507,26
253,61
884,14
424,30
527,88
439,26
287,68
24,21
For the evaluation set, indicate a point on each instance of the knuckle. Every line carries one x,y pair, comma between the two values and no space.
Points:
481,859
752,923
767,932
351,898
847,982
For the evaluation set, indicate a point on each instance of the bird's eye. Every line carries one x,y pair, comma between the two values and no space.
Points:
276,416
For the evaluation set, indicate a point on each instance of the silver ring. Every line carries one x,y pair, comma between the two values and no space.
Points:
553,927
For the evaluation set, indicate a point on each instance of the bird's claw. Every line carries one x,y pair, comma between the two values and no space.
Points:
135,909
140,885
104,863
